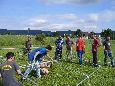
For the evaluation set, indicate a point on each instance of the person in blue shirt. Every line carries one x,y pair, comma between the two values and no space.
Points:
35,58
59,42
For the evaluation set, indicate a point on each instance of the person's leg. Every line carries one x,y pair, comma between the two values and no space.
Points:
37,68
60,54
106,56
28,71
71,56
79,53
94,58
67,54
111,57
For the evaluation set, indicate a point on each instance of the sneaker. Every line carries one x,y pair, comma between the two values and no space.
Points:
96,65
38,76
105,64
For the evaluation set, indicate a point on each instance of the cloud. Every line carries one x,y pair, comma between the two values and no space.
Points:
78,2
113,4
107,16
75,22
61,26
93,17
86,22
38,23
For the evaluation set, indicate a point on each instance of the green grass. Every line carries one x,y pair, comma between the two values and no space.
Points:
61,76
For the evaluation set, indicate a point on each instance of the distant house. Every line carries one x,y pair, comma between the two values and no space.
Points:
36,32
3,31
23,32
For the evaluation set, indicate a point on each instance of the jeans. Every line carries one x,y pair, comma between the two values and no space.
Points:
108,53
32,66
80,53
94,57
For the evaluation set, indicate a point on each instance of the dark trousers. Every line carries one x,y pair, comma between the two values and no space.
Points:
58,54
94,57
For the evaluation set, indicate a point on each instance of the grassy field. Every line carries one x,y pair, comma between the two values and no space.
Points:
63,73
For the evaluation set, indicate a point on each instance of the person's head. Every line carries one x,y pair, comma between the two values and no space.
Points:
59,37
68,37
48,48
93,36
10,56
80,36
108,38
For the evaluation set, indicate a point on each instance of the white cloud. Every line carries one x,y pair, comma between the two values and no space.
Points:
71,1
68,16
107,16
113,4
38,23
71,21
93,17
61,26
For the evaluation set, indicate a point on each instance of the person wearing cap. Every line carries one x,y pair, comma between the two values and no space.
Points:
8,70
59,43
80,48
36,60
108,51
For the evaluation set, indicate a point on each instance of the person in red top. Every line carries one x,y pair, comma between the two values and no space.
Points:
95,45
80,44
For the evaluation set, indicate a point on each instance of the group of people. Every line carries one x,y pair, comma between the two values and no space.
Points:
80,48
36,57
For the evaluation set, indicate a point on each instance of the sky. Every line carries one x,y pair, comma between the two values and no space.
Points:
57,15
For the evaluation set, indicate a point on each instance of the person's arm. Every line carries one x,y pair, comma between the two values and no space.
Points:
83,45
36,56
98,43
72,43
17,69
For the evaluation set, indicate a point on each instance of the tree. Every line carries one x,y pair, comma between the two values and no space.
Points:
107,32
55,34
41,38
78,32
